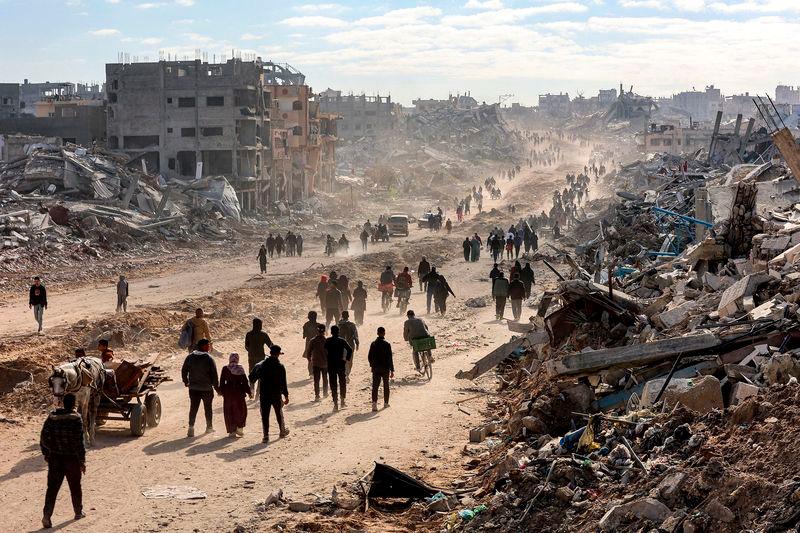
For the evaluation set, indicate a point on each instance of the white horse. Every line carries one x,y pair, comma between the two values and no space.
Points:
84,378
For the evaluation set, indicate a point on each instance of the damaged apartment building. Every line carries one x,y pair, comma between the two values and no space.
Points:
362,115
248,121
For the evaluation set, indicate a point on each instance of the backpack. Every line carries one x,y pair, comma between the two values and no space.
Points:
187,332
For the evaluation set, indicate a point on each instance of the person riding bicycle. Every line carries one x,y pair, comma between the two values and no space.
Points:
414,328
402,285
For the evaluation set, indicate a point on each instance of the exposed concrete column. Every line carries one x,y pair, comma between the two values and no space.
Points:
702,211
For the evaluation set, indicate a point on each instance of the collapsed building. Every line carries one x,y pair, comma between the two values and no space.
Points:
361,115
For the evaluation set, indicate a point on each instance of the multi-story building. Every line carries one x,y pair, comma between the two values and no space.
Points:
554,104
9,100
739,104
248,121
30,93
361,115
701,105
787,94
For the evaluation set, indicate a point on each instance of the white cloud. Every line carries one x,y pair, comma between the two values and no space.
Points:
510,16
151,41
185,3
112,1
104,32
251,37
398,17
149,5
642,4
485,4
316,8
314,21
762,6
690,5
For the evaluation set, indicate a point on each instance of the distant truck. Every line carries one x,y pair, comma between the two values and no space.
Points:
398,224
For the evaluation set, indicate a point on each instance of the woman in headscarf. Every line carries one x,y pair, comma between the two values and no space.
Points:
233,385
359,304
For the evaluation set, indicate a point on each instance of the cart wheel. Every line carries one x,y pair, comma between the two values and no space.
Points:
138,419
153,405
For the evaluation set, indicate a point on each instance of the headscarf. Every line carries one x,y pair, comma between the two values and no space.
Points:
233,365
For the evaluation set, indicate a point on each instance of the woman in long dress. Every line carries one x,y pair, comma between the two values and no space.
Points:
234,386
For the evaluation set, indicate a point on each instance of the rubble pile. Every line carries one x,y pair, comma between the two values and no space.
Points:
657,385
72,201
477,133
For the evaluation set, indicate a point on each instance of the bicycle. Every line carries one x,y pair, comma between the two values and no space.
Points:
403,297
423,347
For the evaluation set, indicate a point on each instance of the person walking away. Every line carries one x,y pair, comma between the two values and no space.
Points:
500,294
534,241
467,246
349,332
382,366
279,244
475,248
199,375
37,300
254,343
364,238
270,245
122,294
493,275
333,303
61,442
359,304
516,292
322,290
440,295
343,284
319,362
556,230
528,278
448,226
517,243
271,376
422,270
299,245
262,258
234,386
309,332
509,247
338,352
414,328
199,327
431,281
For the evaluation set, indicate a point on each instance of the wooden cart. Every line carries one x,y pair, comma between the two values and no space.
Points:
136,400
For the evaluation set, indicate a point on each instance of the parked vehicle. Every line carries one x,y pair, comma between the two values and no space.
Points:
398,224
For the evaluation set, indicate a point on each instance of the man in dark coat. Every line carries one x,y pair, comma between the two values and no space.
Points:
338,353
271,377
254,343
62,445
200,376
382,365
528,279
467,246
516,293
422,271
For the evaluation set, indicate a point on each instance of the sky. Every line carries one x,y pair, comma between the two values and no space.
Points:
409,50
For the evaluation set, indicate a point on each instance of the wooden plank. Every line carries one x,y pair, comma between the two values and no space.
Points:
499,354
629,356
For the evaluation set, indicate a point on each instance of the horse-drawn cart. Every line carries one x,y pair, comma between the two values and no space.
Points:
132,396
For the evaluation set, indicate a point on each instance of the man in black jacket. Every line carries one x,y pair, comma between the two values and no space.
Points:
382,365
271,376
199,374
338,353
62,446
37,300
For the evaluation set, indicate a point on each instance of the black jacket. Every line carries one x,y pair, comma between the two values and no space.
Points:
38,295
199,372
62,436
254,343
272,374
527,275
380,356
338,351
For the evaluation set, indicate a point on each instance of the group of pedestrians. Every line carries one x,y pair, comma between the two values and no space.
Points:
517,287
291,244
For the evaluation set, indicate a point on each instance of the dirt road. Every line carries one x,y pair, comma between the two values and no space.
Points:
417,433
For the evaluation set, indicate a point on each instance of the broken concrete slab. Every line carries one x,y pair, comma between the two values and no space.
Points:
499,354
646,508
740,391
731,301
628,356
701,395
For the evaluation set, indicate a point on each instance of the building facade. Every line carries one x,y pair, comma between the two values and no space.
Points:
248,121
557,105
361,115
9,100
